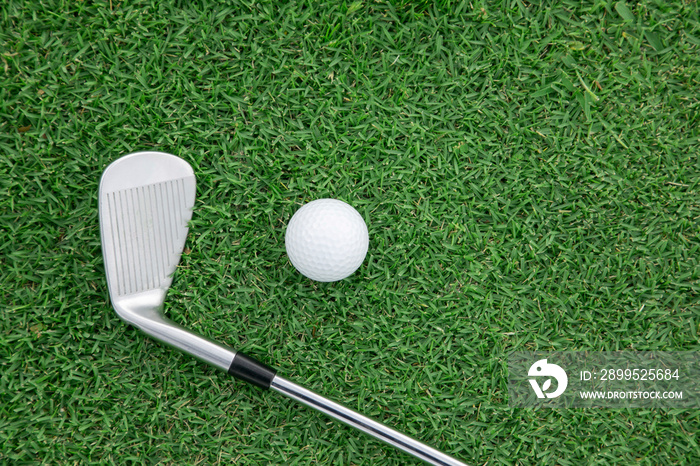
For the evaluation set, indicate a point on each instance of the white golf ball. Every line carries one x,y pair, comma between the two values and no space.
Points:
326,240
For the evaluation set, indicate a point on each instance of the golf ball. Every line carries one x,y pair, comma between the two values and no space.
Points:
326,240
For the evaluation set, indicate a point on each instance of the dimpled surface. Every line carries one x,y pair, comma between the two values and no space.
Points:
326,240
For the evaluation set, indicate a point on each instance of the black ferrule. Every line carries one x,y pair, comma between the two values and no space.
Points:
252,371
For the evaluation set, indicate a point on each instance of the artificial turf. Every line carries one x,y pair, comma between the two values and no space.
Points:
530,179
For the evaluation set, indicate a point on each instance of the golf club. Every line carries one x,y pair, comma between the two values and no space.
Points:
145,204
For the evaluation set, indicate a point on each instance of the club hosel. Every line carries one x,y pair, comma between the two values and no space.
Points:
156,325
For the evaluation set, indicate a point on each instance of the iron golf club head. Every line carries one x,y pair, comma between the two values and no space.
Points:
145,203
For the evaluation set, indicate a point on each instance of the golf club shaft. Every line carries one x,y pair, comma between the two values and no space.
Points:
250,370
363,423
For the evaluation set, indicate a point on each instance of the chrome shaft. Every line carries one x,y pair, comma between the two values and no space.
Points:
369,426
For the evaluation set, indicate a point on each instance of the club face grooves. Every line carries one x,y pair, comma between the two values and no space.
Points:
147,234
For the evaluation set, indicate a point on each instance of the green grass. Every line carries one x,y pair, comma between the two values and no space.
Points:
529,176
